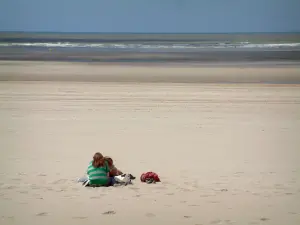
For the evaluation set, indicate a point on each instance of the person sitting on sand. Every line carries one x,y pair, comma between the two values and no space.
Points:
113,171
98,171
113,174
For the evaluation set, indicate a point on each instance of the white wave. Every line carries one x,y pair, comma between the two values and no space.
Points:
152,46
277,45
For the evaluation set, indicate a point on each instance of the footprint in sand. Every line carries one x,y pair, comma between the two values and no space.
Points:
170,194
264,219
95,197
34,187
23,203
10,187
150,215
109,213
187,217
224,190
8,217
134,188
42,214
60,181
216,222
21,174
205,196
214,202
79,217
160,188
41,175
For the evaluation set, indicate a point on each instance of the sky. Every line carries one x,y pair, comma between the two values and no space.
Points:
150,16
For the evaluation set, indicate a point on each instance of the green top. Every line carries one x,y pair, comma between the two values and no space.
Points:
98,175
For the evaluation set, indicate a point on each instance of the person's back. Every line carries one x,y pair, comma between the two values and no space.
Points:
98,171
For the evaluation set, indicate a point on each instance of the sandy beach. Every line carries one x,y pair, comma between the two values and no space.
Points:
224,140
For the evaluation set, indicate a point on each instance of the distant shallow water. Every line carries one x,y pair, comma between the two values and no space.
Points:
155,47
150,47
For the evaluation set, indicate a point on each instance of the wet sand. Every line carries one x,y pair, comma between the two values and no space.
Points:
280,73
227,153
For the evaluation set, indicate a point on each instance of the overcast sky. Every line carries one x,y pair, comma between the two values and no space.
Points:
176,16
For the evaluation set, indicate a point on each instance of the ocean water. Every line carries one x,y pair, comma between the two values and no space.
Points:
150,47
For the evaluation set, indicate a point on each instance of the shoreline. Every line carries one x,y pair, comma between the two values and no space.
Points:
132,57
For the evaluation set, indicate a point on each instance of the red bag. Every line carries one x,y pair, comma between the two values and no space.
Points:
149,176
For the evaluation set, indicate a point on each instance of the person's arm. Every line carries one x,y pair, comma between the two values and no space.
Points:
119,172
107,170
87,169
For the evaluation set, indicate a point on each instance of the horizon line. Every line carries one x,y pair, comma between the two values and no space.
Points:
93,32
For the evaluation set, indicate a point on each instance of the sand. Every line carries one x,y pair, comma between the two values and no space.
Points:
151,73
226,153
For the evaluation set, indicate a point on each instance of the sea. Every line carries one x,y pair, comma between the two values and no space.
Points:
130,47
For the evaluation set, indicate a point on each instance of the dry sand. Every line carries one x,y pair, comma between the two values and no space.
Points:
226,153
